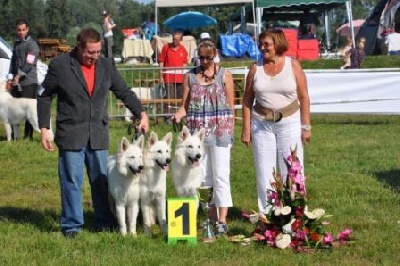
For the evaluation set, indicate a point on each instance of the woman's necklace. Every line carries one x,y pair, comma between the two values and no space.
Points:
206,77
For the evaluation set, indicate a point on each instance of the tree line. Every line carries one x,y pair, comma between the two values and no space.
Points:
63,19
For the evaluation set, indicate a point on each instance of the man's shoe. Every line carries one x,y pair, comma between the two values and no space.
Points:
71,234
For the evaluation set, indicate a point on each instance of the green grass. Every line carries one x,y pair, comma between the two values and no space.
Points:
353,165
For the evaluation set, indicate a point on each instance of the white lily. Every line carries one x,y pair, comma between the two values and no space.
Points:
282,241
315,214
287,228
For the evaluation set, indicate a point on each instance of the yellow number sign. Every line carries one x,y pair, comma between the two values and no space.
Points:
182,220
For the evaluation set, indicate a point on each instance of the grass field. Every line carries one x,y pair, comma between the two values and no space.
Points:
353,166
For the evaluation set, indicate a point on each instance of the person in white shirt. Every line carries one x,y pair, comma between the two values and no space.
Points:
107,26
392,42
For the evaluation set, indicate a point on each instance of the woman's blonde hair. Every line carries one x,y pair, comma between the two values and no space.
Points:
208,45
361,43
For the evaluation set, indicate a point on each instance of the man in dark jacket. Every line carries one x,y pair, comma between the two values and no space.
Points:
23,67
81,80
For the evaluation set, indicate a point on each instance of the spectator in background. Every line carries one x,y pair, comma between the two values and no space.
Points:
308,25
23,67
392,41
107,25
205,36
150,28
173,55
344,53
357,54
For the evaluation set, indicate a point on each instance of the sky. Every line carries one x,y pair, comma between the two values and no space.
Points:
144,1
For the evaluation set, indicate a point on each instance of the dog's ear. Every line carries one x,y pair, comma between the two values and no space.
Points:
124,144
185,133
168,138
153,138
140,142
201,133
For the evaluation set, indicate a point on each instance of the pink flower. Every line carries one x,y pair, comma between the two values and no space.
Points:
345,235
327,239
270,236
295,167
274,198
301,235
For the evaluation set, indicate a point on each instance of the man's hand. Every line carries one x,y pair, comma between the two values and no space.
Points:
144,123
47,144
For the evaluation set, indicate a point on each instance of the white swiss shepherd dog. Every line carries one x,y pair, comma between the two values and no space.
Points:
186,172
153,185
124,172
14,111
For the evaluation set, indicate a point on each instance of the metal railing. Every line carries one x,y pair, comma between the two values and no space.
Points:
144,81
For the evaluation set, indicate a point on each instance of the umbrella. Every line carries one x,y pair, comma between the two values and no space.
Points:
344,30
189,20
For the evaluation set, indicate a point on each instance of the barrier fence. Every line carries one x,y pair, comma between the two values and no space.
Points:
145,82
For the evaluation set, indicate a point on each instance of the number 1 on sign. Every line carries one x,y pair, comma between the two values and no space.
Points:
182,219
184,212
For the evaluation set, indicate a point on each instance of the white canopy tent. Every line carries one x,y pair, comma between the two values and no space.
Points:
180,3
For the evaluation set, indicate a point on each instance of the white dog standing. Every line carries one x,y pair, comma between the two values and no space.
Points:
153,185
186,172
14,111
124,171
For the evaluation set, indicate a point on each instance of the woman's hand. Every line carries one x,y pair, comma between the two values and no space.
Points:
246,138
305,136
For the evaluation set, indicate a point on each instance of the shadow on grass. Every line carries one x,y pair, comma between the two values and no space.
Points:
45,221
353,119
390,178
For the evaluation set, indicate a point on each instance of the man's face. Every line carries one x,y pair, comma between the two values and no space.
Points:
22,31
90,53
176,39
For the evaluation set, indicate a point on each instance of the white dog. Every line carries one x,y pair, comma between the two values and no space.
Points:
14,111
124,171
186,171
153,185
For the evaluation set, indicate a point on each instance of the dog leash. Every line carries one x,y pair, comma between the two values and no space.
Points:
138,132
178,126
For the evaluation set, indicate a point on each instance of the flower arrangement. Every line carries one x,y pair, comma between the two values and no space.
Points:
289,223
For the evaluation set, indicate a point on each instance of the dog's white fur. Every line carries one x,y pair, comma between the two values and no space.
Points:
124,172
14,111
186,171
153,185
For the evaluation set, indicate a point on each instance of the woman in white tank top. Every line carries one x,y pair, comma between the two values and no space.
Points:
275,111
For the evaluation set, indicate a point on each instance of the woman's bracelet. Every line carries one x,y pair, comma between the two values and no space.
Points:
306,127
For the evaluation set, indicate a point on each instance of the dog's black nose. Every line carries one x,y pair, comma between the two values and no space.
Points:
198,156
168,160
140,167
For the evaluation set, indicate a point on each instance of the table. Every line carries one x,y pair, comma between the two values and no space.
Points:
137,48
